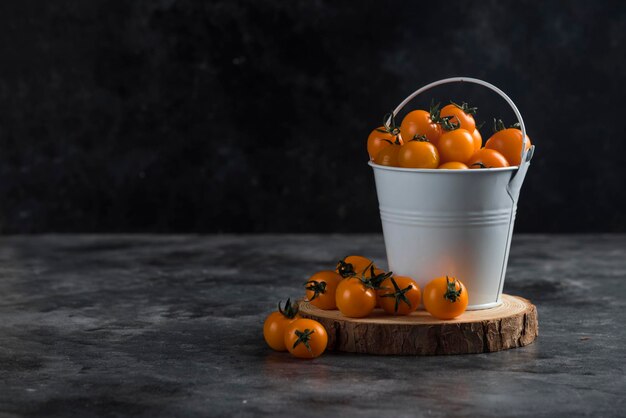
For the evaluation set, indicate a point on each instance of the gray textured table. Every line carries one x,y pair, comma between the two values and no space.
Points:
171,326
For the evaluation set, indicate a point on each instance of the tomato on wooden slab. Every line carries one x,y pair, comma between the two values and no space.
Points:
445,297
353,265
321,288
305,338
399,295
356,297
276,323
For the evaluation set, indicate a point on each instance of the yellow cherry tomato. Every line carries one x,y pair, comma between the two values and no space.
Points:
508,142
418,154
453,165
388,155
353,265
456,145
399,295
421,123
321,288
460,115
487,158
276,323
382,137
478,139
378,139
445,297
354,298
305,338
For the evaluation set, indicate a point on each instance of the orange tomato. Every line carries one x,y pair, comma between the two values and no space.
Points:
418,154
399,295
445,297
379,139
420,122
453,165
355,298
508,142
388,155
353,265
456,145
276,323
305,338
487,158
478,139
460,115
321,287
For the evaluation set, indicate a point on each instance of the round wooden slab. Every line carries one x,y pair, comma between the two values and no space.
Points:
512,324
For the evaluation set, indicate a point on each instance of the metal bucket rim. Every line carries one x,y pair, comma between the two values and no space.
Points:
439,170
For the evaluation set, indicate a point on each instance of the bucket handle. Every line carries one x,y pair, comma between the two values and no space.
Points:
527,155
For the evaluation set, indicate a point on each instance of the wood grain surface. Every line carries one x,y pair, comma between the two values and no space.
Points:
512,324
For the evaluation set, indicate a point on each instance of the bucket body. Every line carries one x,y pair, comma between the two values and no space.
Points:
449,222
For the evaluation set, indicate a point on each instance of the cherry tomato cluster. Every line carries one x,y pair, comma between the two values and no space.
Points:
357,286
285,330
445,138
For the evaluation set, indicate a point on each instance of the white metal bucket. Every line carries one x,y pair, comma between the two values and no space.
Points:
452,222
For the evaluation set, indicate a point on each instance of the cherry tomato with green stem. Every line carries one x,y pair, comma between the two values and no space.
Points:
508,142
353,265
276,323
399,295
445,297
305,338
356,296
420,123
321,288
460,116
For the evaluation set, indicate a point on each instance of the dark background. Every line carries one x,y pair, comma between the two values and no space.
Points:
227,116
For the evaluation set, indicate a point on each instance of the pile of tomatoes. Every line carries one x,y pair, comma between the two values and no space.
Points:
285,330
356,287
446,138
